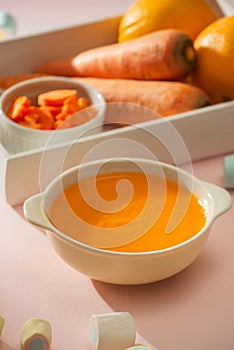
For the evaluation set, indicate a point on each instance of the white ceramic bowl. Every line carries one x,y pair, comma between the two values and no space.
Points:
119,267
17,138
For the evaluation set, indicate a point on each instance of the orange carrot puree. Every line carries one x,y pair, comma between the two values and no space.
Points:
189,212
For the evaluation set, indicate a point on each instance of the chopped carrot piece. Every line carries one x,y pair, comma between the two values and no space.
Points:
71,100
54,110
70,105
18,108
46,119
42,117
28,123
82,102
55,97
61,116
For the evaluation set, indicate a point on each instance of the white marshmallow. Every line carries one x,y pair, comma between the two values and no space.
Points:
36,334
112,331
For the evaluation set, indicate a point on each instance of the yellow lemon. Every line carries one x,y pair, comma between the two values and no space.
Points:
215,60
145,16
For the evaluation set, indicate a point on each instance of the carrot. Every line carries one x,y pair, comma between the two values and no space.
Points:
40,118
56,97
77,119
7,81
53,109
163,97
162,55
166,98
18,108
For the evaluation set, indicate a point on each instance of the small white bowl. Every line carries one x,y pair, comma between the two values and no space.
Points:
120,267
17,138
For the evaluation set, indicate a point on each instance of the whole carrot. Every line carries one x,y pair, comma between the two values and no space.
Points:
9,80
162,98
162,55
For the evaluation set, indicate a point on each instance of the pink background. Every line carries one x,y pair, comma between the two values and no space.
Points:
190,311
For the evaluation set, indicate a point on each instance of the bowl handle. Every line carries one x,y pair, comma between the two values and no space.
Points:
221,198
35,213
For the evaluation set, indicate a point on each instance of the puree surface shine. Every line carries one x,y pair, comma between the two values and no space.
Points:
166,201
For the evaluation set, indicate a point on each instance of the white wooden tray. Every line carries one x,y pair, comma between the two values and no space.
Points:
184,137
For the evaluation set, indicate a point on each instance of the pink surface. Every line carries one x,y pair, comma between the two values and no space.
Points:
190,311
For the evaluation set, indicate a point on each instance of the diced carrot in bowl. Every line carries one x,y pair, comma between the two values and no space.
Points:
54,107
56,97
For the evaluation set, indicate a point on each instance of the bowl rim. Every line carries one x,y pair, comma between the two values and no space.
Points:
101,105
84,246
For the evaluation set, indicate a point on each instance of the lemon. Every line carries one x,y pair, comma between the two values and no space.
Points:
145,16
215,60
